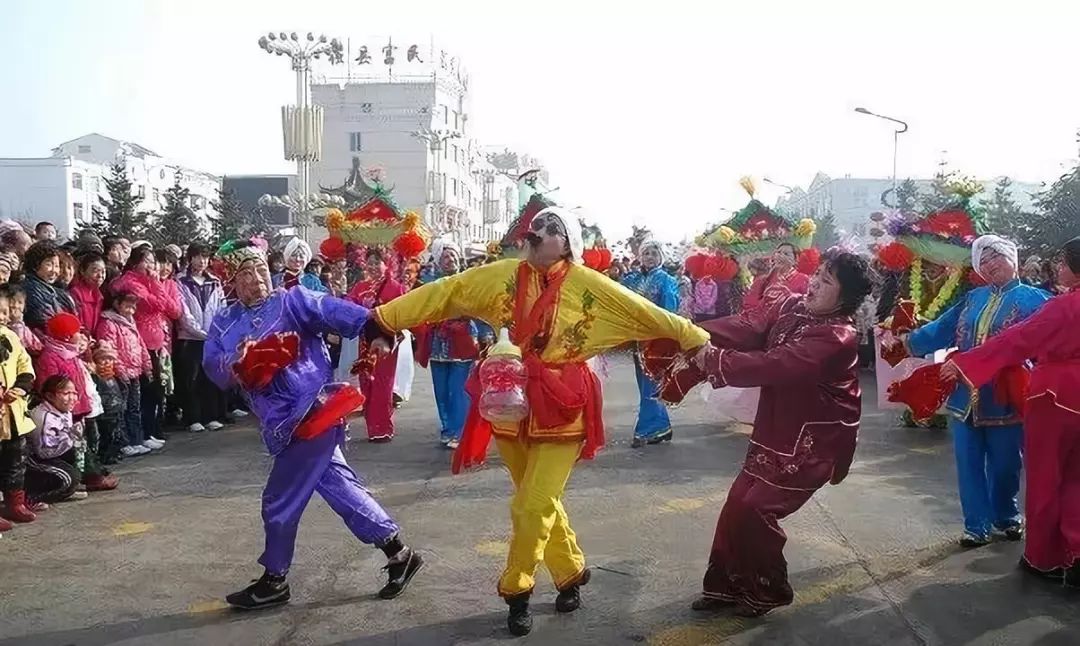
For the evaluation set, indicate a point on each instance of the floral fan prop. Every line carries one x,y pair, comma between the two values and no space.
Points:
378,222
757,229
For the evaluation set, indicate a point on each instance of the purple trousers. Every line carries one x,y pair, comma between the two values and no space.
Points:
307,466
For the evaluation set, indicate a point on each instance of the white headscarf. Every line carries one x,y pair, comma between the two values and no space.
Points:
572,228
442,245
655,244
1004,247
297,247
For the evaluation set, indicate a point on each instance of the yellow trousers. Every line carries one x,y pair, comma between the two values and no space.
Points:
541,530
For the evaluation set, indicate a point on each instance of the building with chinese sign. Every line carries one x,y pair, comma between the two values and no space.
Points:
404,108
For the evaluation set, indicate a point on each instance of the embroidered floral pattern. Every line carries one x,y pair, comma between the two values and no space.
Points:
574,338
784,470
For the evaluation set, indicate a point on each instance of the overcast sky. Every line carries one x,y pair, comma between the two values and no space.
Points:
646,115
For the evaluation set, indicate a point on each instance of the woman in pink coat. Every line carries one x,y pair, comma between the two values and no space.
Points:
159,305
86,290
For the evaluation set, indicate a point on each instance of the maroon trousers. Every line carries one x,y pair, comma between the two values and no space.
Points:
1052,498
746,565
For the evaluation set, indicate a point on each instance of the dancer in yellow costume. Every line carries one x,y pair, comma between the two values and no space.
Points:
560,314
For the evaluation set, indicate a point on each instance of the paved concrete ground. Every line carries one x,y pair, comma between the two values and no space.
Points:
873,561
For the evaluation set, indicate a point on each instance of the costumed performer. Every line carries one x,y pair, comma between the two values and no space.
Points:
783,274
450,348
987,433
661,289
297,258
802,351
1051,419
559,314
378,288
299,415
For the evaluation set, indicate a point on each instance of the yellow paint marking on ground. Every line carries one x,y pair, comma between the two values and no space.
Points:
131,529
492,548
683,504
200,607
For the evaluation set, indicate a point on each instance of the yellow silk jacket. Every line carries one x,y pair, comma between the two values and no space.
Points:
594,314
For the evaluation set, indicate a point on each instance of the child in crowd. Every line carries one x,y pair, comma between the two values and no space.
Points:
16,382
86,290
110,424
117,327
95,477
16,298
51,471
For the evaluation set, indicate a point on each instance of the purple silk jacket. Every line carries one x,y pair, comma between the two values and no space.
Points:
283,404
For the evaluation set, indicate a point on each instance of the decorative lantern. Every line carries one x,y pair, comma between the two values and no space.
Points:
502,383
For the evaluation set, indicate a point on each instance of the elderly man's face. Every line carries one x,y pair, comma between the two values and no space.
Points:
252,282
651,258
448,261
995,268
547,240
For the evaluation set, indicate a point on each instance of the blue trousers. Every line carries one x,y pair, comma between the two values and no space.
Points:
988,463
451,399
652,419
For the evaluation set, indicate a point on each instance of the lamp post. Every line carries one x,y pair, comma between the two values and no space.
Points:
896,138
783,186
302,123
436,141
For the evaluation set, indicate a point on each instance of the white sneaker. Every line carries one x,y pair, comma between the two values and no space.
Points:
130,451
157,439
151,445
142,450
215,426
79,495
196,428
239,414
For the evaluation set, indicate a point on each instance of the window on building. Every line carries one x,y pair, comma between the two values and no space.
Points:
157,196
455,119
84,149
78,210
355,144
142,191
76,181
445,115
453,186
445,150
95,184
365,108
455,153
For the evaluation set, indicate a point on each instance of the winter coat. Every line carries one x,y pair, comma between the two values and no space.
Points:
16,371
54,433
30,340
113,402
201,302
89,301
132,357
43,301
159,306
59,358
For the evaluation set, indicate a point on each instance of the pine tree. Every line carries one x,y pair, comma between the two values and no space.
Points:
907,196
1057,218
178,224
123,219
229,223
940,196
1004,216
826,235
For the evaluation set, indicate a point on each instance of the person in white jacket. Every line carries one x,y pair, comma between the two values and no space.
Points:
202,296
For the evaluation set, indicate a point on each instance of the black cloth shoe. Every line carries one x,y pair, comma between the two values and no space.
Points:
569,599
266,591
1057,574
519,621
400,571
970,541
666,437
1013,533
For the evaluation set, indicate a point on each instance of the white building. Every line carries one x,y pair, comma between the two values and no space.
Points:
851,200
415,127
69,187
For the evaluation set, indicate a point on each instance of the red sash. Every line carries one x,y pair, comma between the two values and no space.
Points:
558,393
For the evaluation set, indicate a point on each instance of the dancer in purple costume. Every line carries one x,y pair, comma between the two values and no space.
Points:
301,466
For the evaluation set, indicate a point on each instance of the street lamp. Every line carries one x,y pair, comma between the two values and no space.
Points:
436,141
783,186
896,138
302,123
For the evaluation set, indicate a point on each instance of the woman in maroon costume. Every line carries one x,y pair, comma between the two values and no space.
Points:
803,353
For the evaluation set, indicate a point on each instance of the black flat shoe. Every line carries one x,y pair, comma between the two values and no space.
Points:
264,592
666,437
569,599
400,573
1057,574
519,621
970,541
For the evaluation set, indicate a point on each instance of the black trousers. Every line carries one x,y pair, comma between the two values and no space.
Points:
111,436
51,480
13,463
201,400
152,395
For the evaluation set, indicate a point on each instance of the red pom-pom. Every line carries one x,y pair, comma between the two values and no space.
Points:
63,326
332,249
808,262
722,268
409,244
591,258
895,256
695,266
605,259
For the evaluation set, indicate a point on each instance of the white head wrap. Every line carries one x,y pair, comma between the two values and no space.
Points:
1004,247
572,228
441,245
297,247
655,244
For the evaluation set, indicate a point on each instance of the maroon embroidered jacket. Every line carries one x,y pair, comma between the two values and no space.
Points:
807,367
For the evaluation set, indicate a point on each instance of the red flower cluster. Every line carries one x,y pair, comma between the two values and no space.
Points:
950,224
409,244
598,259
895,256
374,210
808,262
333,249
